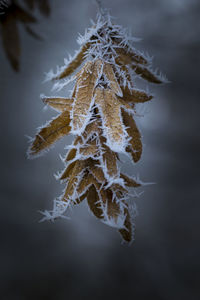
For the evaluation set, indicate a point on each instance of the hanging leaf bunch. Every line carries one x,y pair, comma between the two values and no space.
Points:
100,114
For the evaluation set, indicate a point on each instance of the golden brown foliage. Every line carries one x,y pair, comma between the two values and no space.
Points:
74,64
54,130
101,114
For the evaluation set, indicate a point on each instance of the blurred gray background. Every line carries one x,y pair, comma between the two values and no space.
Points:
82,258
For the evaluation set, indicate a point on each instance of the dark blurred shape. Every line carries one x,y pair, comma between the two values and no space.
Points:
43,5
10,15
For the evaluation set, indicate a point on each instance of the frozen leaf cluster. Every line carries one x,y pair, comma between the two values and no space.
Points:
100,114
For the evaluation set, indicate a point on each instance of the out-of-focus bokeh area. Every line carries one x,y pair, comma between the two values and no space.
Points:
82,258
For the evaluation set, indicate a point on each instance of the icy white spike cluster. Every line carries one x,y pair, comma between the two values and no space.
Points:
100,113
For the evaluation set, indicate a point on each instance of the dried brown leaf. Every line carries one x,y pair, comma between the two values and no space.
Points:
59,104
113,209
110,160
72,172
74,168
135,96
84,95
74,64
90,149
125,104
130,182
113,84
128,57
97,172
54,130
146,74
71,154
127,233
86,181
138,63
93,127
67,172
79,199
136,145
118,189
92,199
110,110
